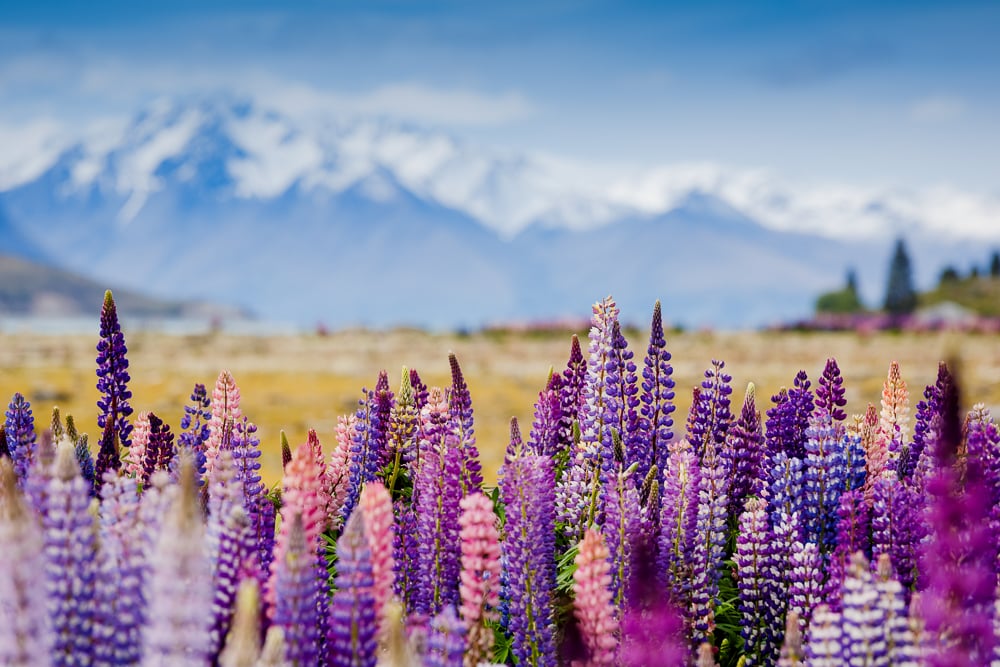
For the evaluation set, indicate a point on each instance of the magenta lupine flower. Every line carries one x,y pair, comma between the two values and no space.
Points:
112,374
225,413
438,491
446,640
678,524
338,471
353,624
376,509
788,420
25,630
461,424
19,427
544,438
529,558
657,396
710,416
133,463
825,645
745,455
295,606
179,593
653,636
70,561
757,561
122,605
159,448
592,601
708,549
479,590
830,392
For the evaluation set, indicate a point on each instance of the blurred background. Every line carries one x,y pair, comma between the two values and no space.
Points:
293,173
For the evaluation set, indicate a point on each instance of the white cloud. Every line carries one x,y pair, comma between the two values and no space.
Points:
937,109
29,149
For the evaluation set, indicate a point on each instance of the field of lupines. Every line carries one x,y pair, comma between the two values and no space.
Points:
613,536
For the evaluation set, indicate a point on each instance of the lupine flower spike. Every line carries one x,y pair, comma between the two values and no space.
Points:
480,587
592,601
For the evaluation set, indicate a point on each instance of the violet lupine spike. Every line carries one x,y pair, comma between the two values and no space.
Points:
122,606
592,601
708,549
246,466
294,605
385,400
825,645
862,618
19,426
830,392
756,565
365,452
236,545
25,632
657,396
678,525
353,625
159,449
805,580
786,486
438,487
927,410
446,640
195,429
225,413
70,561
134,460
823,482
419,390
338,471
898,526
788,420
710,417
853,536
376,510
653,636
86,463
461,423
529,558
746,455
108,458
621,530
623,402
515,446
112,374
593,410
405,555
573,495
544,438
224,493
892,606
479,590
180,584
571,392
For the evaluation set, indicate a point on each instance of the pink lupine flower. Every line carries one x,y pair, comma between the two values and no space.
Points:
225,413
480,575
338,471
895,416
324,490
136,454
592,606
375,505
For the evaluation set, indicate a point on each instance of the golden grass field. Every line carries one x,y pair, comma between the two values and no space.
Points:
300,382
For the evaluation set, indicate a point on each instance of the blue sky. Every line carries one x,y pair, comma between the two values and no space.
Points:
865,93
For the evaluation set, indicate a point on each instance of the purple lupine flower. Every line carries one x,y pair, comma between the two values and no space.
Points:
70,561
825,645
19,427
446,640
745,453
122,608
544,437
983,443
653,636
419,390
571,392
108,458
622,531
405,555
710,418
709,546
788,420
295,605
892,606
179,597
898,526
236,546
194,428
805,580
260,510
439,482
112,374
25,631
853,536
823,482
461,424
573,495
786,484
657,397
40,474
384,404
678,525
927,410
368,441
515,446
830,392
593,408
159,448
863,621
529,558
86,462
756,566
622,403
353,624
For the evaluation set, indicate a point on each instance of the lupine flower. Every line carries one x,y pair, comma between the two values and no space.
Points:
376,509
19,428
825,645
159,448
369,440
898,527
594,405
573,494
242,644
621,530
515,447
830,392
571,392
788,420
402,430
70,561
438,489
653,635
353,624
40,474
25,630
338,472
792,654
853,524
133,463
823,482
461,424
657,396
384,403
745,454
236,546
180,585
892,606
406,555
108,458
894,419
786,484
246,466
678,524
446,640
225,413
710,417
544,438
195,428
927,410
862,617
708,549
756,564
529,546
480,578
592,603
419,390
805,581
294,606
622,403
112,374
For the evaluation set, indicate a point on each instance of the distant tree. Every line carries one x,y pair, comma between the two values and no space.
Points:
842,301
900,297
974,272
995,264
948,275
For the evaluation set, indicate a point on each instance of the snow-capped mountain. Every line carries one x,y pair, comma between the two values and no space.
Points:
368,221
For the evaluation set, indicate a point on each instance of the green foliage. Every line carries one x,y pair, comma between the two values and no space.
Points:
842,301
728,620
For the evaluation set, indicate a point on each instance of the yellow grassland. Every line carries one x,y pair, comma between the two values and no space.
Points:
300,382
